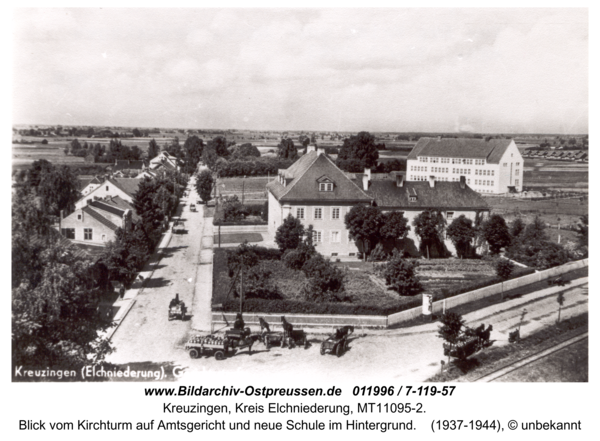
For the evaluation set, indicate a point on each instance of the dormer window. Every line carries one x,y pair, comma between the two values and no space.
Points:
412,199
325,186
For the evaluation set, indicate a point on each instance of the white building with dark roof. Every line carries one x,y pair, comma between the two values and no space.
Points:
494,166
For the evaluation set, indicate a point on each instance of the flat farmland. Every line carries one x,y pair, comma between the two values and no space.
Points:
551,211
556,175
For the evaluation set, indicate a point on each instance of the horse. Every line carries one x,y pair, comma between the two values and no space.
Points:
264,326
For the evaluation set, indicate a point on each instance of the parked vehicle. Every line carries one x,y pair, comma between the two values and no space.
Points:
192,207
179,227
221,347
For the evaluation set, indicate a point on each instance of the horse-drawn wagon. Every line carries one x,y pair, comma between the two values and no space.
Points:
337,343
221,347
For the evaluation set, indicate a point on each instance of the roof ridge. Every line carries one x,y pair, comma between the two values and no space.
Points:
344,174
99,218
296,180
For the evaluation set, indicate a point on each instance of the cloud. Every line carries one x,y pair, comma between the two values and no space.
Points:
342,69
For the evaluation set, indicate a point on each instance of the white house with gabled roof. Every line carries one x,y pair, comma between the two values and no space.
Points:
489,166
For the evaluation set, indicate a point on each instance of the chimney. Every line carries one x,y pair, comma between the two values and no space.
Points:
60,218
126,222
463,182
400,181
311,148
368,172
365,182
432,181
321,150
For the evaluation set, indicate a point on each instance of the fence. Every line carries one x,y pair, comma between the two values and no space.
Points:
491,290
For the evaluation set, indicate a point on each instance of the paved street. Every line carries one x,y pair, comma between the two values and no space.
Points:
146,334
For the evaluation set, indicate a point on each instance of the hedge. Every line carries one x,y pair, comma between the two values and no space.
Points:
300,307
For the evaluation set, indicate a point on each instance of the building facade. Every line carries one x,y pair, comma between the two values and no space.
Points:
492,166
317,193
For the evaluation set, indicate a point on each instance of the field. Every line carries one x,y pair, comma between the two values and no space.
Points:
253,188
546,175
552,211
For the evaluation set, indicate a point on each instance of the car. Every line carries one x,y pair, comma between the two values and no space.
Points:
192,207
179,227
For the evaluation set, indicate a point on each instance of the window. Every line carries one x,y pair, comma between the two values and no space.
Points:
79,217
317,236
468,182
335,213
87,234
300,213
518,164
516,182
318,213
325,186
335,237
517,171
449,215
69,233
505,164
104,238
492,172
107,188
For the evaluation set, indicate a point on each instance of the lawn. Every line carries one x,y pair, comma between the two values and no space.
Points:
238,238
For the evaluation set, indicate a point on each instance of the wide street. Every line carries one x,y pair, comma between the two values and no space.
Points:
146,334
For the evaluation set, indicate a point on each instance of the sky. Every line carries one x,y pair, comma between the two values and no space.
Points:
510,70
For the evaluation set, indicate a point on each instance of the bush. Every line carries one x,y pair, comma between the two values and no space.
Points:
254,209
302,307
378,254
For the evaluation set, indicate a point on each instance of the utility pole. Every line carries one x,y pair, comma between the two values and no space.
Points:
243,186
241,289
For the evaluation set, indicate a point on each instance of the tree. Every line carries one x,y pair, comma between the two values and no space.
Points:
395,226
461,233
496,233
296,258
400,275
233,210
289,234
363,223
360,147
452,324
126,255
287,149
192,147
59,188
149,209
209,156
325,281
204,185
534,232
504,269
219,144
153,149
516,227
56,319
429,227
136,133
244,151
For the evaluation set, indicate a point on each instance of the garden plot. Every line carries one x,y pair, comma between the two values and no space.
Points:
440,274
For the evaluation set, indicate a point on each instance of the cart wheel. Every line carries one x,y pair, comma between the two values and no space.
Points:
305,343
323,348
219,355
339,350
268,344
193,353
291,343
345,345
